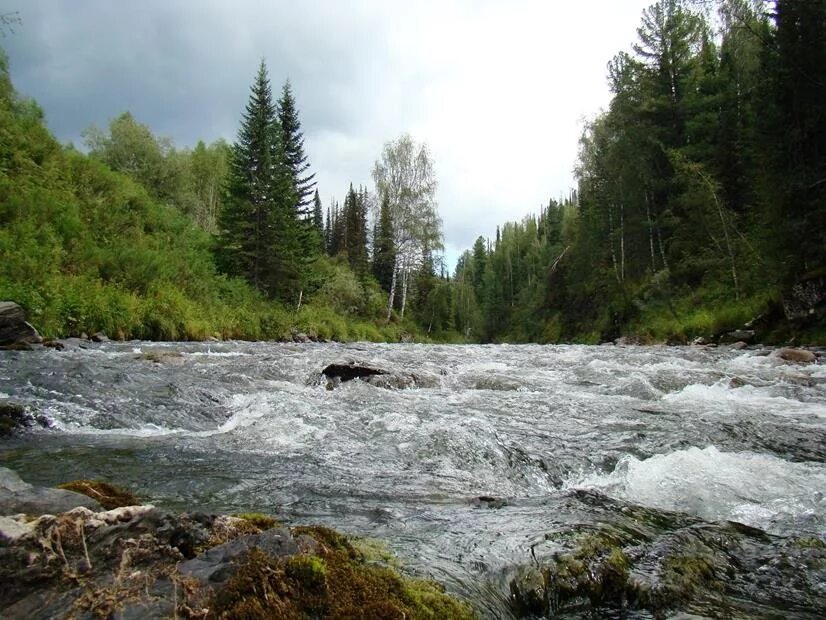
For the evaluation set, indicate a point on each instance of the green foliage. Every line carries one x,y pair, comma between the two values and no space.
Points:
694,213
86,249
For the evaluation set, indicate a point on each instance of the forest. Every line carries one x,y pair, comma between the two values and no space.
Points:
699,209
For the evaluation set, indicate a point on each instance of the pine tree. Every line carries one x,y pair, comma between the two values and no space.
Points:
257,236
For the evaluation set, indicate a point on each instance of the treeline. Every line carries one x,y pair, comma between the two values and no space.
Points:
702,191
143,240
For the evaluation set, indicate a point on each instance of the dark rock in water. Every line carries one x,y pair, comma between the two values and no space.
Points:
738,346
799,356
13,326
12,418
486,501
57,345
162,357
640,562
351,370
18,497
99,337
404,381
347,371
738,335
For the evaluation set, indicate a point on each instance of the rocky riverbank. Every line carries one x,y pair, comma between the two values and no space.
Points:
63,555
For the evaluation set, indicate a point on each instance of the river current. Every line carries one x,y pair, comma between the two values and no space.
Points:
471,474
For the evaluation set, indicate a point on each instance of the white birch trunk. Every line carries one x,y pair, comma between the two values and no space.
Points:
404,289
392,297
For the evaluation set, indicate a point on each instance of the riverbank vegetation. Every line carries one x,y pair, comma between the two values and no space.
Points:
701,203
700,208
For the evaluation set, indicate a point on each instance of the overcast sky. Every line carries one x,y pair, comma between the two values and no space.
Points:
498,90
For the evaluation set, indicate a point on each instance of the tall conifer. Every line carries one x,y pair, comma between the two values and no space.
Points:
257,236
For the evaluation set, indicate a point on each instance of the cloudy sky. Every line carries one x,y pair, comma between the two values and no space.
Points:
498,90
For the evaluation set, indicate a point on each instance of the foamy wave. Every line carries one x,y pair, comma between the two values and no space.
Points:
722,395
751,488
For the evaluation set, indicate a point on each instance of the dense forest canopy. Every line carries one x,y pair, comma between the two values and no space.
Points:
699,208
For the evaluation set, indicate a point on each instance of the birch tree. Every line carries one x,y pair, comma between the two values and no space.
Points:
405,179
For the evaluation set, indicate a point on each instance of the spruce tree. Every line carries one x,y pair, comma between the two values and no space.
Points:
257,236
296,161
384,252
318,217
355,230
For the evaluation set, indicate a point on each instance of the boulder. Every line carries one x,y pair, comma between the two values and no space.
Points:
347,371
799,356
13,326
100,337
12,417
342,372
18,497
738,346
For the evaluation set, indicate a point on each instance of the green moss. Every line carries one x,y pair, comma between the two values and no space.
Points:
107,495
684,575
594,574
374,551
310,571
335,583
808,542
259,520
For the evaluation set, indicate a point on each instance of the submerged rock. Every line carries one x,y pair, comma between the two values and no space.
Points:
799,356
14,330
12,418
18,497
640,561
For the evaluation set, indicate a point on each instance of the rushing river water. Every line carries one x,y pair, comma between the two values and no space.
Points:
664,445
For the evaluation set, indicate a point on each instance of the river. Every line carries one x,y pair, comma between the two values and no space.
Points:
492,464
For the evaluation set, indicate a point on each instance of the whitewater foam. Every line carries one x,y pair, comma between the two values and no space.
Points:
755,489
722,396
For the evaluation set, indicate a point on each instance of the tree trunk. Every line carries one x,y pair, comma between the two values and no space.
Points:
622,243
650,232
611,241
660,245
404,290
392,297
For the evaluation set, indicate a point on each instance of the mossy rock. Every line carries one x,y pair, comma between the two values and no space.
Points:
107,495
336,582
259,520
